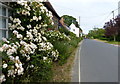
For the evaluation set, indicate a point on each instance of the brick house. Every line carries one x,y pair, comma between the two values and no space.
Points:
56,17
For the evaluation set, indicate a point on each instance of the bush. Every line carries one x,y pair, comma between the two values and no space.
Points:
27,55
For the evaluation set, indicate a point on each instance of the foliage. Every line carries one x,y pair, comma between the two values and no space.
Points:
63,43
69,20
96,33
56,36
112,29
28,54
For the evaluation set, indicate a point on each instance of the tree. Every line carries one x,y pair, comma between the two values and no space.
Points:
96,33
68,20
112,29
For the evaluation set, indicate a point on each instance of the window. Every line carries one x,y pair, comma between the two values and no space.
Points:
4,14
73,29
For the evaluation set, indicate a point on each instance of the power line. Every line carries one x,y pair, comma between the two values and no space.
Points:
105,18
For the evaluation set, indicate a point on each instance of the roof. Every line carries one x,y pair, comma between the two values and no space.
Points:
50,8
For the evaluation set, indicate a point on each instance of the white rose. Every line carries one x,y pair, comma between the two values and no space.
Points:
15,32
5,65
35,18
44,58
29,26
40,18
1,49
11,58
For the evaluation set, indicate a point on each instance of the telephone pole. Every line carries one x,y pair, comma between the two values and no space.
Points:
79,20
113,16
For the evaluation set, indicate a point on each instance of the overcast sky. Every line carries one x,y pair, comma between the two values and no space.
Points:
93,13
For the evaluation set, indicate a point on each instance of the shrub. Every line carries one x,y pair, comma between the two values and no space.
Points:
28,54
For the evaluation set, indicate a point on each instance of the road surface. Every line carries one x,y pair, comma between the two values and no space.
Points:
98,62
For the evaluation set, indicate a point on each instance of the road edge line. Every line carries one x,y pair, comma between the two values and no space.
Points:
79,59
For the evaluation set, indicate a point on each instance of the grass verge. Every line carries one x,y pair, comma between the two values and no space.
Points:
110,42
62,73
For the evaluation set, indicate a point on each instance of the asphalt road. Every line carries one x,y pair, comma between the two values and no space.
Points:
98,62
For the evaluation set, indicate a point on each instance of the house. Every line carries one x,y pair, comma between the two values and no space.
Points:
5,12
75,30
56,18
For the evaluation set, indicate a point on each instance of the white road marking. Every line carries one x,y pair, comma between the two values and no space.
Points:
79,60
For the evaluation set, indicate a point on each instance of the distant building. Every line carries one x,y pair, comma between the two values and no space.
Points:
119,8
74,29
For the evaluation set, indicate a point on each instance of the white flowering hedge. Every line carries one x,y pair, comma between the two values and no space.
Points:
27,54
53,36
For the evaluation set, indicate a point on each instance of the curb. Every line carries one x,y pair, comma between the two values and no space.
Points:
76,66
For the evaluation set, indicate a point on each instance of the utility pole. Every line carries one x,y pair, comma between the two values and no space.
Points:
113,16
79,20
113,24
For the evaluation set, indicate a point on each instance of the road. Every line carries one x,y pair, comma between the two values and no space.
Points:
98,62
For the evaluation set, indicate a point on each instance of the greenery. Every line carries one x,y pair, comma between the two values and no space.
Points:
28,55
68,20
65,46
96,33
110,32
113,42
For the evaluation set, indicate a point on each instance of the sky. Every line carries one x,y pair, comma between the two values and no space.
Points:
92,13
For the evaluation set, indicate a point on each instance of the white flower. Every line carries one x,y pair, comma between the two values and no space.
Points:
5,40
17,44
5,46
5,65
10,72
45,25
25,12
17,20
35,18
15,32
31,66
11,51
21,28
1,49
17,65
12,58
44,58
28,58
29,35
19,36
20,71
23,42
44,38
39,17
52,23
16,58
29,26
11,18
28,8
2,78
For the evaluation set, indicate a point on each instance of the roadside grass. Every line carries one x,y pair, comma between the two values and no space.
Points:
62,69
113,42
110,42
62,73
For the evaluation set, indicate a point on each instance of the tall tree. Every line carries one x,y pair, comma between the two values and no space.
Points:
96,33
68,20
